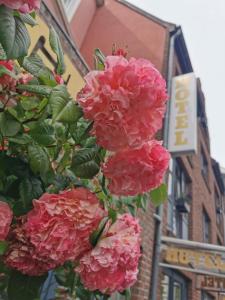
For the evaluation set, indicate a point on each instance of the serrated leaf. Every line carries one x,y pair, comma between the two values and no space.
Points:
58,99
29,189
2,53
86,163
43,134
36,89
99,60
14,36
70,113
3,247
23,287
28,19
159,195
4,70
29,103
34,65
57,48
94,237
64,109
38,159
112,214
8,126
22,139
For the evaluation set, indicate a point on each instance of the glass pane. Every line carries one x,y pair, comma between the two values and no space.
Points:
177,291
165,288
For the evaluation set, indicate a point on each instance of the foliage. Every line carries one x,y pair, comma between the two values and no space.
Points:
47,145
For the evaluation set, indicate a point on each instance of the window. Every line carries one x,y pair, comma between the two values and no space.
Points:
219,211
179,196
204,166
173,286
206,296
206,227
70,7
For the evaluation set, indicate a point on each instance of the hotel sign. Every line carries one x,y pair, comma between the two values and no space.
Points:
195,260
183,115
195,257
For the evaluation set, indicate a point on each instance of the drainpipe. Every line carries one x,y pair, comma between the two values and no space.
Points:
159,213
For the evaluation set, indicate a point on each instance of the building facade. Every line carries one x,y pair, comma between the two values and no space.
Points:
195,207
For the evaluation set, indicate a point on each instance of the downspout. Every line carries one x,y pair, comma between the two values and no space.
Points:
159,213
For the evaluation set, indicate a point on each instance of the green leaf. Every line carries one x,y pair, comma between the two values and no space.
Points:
132,209
38,159
64,109
14,36
28,19
43,134
3,247
36,89
8,125
57,48
159,195
23,287
33,64
4,70
29,189
58,99
2,53
99,60
80,131
86,163
70,113
29,103
22,139
112,214
94,237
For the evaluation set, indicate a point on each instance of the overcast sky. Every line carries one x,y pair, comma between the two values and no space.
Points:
203,25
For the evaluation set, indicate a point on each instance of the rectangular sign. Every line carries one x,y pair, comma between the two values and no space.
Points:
196,257
182,137
210,283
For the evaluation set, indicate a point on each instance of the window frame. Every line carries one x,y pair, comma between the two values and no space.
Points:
206,220
178,187
70,8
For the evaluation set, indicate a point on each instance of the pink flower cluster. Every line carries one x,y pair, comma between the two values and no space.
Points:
5,220
23,256
57,228
6,81
134,171
126,101
113,264
24,6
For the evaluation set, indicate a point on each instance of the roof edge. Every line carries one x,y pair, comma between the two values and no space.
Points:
168,25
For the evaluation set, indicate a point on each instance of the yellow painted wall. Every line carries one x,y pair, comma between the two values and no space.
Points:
76,81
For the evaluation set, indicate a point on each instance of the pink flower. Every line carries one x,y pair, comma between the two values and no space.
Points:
25,78
22,256
60,224
24,6
126,101
6,80
135,171
58,78
113,264
5,220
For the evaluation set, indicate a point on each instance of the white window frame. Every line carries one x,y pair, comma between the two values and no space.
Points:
70,8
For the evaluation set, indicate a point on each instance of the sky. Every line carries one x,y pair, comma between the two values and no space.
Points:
203,25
